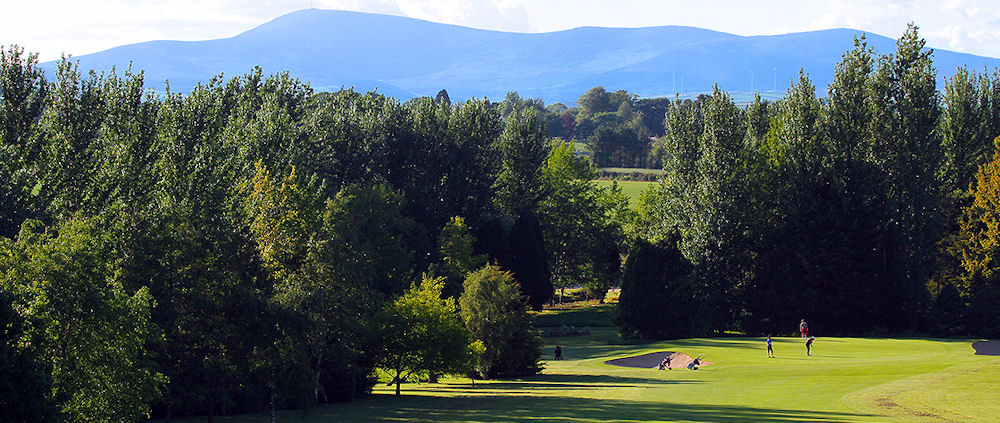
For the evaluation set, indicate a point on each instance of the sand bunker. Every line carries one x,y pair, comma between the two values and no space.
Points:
652,360
987,347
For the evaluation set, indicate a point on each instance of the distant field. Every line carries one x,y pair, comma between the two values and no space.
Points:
631,189
845,380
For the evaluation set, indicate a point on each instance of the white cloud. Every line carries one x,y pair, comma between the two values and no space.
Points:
386,7
504,15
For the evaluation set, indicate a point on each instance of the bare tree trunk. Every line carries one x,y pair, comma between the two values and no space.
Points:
272,407
399,380
273,386
170,406
319,362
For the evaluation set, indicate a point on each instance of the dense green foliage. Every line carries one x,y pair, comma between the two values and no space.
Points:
228,250
978,244
495,313
24,387
581,222
837,210
87,331
248,245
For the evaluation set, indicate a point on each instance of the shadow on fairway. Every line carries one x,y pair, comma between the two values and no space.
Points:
596,380
549,384
503,409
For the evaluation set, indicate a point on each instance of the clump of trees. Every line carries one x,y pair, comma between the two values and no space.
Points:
969,304
583,224
619,129
248,245
859,211
255,245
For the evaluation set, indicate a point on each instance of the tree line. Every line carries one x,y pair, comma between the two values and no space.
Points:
253,245
618,128
869,211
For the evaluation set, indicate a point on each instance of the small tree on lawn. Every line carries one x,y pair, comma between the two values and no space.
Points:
423,332
496,314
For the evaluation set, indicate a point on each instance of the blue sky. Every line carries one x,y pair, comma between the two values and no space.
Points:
79,27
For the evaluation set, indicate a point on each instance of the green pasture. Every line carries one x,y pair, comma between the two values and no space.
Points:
846,380
631,189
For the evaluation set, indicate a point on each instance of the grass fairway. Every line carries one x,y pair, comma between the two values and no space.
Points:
631,189
846,380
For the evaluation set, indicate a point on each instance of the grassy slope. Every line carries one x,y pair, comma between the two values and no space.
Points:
631,189
847,379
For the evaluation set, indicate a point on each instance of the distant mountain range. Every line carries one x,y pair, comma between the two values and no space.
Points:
405,58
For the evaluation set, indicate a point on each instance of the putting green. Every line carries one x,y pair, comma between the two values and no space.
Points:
846,380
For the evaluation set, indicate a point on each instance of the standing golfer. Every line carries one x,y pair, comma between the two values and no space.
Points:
809,343
770,350
804,329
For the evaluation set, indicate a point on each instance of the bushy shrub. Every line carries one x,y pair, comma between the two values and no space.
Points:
495,313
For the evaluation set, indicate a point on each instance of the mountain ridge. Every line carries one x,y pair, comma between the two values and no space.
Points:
406,57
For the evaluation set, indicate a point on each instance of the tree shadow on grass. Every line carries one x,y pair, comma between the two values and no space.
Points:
546,384
561,408
568,381
605,379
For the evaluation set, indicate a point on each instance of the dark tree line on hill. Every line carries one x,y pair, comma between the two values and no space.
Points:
254,245
863,212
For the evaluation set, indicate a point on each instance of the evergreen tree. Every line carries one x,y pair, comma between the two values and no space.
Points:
529,261
657,300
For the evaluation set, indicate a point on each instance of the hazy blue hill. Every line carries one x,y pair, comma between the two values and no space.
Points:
406,57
